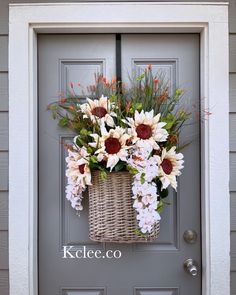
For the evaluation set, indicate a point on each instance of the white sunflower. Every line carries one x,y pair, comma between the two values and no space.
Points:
111,146
146,129
99,110
78,171
170,163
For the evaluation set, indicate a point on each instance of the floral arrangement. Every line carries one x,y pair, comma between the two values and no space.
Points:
133,129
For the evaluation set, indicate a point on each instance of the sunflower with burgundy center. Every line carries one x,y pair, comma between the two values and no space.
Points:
170,163
145,127
78,167
112,146
99,111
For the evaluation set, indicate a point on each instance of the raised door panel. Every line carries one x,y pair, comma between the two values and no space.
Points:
81,73
156,291
165,68
83,291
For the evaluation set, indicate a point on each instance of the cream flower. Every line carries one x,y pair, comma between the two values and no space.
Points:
99,110
146,129
147,218
78,170
74,194
111,146
170,163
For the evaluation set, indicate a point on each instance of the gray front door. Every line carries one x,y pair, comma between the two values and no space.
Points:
143,269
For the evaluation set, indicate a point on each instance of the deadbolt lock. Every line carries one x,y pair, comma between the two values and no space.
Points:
190,236
191,267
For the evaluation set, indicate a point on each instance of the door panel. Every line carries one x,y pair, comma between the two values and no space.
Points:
156,291
144,269
176,57
84,292
71,69
63,59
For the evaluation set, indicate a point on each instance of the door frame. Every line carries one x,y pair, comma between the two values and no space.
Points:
208,19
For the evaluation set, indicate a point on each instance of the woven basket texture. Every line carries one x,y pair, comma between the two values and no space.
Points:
111,215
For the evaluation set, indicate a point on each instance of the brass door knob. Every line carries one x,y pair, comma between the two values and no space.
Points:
190,236
191,267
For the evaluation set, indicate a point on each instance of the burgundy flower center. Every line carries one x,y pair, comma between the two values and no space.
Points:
81,168
167,166
112,145
99,112
144,131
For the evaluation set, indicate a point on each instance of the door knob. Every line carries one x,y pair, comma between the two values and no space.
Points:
190,236
191,267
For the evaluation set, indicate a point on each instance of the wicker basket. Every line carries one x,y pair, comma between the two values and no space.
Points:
111,215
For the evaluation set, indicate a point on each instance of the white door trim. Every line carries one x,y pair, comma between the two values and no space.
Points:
211,21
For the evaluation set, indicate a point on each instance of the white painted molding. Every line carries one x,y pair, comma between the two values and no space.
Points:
211,20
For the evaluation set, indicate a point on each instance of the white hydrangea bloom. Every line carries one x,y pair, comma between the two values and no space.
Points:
147,218
74,195
147,167
145,192
78,176
141,190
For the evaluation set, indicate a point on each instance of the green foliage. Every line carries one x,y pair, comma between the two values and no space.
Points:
83,132
103,175
81,142
169,120
132,170
140,234
94,159
142,179
163,193
63,122
160,206
120,166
